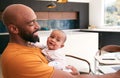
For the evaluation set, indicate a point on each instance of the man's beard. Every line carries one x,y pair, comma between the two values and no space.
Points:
29,37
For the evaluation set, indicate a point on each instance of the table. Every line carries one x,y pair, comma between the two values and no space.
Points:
109,58
107,62
111,75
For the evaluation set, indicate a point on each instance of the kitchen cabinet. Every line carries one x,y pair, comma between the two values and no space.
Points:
110,36
56,15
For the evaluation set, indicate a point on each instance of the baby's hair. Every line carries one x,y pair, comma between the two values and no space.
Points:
62,32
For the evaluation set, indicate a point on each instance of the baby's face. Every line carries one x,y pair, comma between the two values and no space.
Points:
56,40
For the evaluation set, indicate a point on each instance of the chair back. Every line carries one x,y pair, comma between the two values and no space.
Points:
109,49
82,65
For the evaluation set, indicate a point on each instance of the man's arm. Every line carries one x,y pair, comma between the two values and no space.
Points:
62,74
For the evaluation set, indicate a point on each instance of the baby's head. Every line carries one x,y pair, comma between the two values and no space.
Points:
56,40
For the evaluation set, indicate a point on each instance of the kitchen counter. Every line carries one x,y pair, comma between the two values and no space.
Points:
4,33
93,30
101,30
106,36
69,31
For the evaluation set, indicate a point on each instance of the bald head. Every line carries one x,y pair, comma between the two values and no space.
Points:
16,11
21,23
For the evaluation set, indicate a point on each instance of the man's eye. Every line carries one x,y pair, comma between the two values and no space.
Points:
31,24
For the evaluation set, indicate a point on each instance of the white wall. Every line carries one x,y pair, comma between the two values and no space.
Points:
96,13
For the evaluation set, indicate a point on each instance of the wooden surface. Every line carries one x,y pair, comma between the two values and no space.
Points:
56,15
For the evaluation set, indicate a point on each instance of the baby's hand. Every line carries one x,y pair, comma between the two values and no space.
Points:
73,70
67,69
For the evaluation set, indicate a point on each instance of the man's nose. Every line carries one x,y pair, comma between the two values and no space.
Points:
37,26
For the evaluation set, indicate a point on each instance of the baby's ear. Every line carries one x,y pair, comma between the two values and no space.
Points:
62,45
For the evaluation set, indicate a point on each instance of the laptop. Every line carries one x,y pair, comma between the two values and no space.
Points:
109,69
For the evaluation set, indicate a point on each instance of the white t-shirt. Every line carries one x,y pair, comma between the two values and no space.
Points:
56,58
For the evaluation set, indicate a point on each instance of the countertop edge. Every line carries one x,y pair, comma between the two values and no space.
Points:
100,30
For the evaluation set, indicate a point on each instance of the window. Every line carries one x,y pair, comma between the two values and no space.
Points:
112,13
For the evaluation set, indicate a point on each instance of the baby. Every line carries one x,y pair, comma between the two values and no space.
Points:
53,51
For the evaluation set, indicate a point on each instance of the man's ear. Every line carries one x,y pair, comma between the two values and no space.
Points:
13,29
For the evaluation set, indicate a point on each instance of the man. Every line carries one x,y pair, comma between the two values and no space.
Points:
20,59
